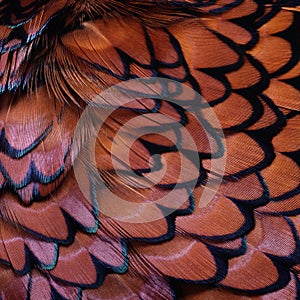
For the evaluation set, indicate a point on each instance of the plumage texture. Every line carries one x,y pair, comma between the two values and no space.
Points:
243,57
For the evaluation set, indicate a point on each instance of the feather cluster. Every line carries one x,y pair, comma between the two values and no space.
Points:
243,57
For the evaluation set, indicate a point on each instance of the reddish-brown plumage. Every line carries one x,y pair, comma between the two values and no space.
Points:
61,235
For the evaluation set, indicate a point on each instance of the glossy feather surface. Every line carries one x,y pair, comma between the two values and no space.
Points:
57,242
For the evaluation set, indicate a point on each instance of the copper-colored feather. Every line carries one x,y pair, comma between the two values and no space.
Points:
61,237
